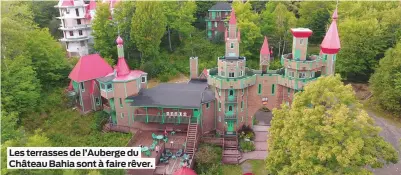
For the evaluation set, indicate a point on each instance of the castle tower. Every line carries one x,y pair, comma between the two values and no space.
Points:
232,38
330,46
193,67
74,25
264,56
300,42
122,67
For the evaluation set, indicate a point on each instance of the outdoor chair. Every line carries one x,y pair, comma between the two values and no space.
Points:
147,153
172,133
168,153
178,153
152,147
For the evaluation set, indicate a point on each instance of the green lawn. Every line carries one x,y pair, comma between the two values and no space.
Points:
258,167
232,170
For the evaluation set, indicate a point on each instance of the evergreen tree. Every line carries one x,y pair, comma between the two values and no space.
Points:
325,131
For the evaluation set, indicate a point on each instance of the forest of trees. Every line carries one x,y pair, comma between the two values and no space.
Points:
159,37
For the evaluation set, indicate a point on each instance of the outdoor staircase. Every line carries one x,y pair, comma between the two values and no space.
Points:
192,138
231,154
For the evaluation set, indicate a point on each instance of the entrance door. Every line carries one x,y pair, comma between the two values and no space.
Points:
230,126
113,111
195,118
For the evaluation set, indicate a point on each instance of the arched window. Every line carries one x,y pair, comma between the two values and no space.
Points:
230,108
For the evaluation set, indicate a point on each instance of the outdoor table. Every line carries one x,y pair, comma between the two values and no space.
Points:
159,137
144,149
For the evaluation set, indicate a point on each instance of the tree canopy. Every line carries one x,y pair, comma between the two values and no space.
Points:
386,81
325,131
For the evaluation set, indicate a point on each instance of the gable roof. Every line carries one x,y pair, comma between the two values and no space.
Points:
221,6
90,67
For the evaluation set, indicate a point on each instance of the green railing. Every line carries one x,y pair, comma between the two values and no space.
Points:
161,119
231,99
230,115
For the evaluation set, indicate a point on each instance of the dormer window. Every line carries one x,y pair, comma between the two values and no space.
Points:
143,80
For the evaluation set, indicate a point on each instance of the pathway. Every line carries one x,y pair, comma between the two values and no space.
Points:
392,134
260,141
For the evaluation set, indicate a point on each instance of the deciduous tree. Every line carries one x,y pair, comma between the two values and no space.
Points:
180,16
386,81
148,27
20,89
104,32
247,22
316,16
325,131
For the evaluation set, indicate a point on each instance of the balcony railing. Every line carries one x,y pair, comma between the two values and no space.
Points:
78,26
161,119
230,115
231,99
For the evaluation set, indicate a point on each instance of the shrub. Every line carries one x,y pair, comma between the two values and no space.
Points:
246,146
99,119
207,156
246,132
254,121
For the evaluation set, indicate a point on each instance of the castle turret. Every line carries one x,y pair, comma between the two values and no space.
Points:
331,45
122,67
300,42
264,56
232,38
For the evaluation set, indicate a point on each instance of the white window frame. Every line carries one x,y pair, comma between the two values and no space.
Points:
167,114
301,41
232,45
143,79
301,74
231,73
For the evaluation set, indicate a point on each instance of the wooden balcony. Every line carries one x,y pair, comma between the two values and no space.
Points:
151,118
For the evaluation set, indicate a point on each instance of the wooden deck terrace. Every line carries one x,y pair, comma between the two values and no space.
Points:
145,138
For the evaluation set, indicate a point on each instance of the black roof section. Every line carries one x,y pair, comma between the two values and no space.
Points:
221,6
183,95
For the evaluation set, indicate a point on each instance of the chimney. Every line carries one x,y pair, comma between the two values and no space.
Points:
193,67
